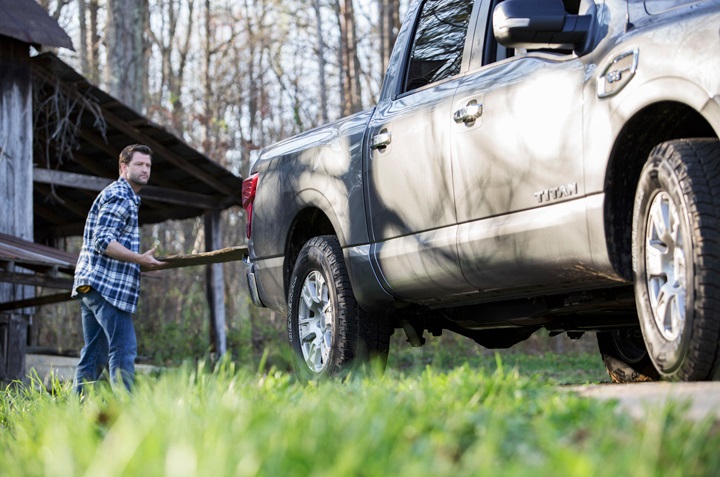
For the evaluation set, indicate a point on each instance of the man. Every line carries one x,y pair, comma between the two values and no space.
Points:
107,276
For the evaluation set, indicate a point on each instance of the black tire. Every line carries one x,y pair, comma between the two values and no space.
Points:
350,337
676,265
625,356
375,333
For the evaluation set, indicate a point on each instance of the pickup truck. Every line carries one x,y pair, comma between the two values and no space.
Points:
529,164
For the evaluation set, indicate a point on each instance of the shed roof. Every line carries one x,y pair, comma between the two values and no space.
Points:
27,21
71,168
27,263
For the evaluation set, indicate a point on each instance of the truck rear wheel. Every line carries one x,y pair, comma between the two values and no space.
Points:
324,318
676,227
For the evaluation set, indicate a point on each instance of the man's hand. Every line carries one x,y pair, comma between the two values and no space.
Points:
146,260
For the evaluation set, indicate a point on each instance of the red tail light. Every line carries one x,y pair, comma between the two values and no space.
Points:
249,186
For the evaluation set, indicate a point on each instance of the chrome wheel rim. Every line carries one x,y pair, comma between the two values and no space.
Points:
665,266
315,321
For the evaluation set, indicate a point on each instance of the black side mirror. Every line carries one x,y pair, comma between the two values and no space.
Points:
536,24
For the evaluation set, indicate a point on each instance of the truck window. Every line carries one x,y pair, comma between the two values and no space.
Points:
439,41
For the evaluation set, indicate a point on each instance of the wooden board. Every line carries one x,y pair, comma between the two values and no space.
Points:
230,254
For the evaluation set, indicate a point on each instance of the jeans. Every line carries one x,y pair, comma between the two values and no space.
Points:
109,340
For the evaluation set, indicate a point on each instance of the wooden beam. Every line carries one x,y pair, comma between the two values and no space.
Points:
69,179
37,301
159,194
48,269
36,280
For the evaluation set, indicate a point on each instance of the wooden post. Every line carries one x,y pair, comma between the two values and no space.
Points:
13,344
16,189
215,289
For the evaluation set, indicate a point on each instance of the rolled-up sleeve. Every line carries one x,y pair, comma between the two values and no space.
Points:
112,220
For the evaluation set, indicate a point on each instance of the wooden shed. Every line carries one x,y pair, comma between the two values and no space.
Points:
60,137
23,23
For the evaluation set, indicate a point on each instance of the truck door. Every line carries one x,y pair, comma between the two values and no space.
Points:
517,164
411,207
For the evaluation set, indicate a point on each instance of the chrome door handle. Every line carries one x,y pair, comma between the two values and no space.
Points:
381,140
469,113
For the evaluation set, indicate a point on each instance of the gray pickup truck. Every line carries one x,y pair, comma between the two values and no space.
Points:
530,164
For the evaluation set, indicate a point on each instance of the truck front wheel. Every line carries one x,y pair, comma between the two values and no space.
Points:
323,316
676,264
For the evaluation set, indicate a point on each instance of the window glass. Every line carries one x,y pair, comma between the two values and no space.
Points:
439,42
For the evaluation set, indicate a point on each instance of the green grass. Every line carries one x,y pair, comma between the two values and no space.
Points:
491,420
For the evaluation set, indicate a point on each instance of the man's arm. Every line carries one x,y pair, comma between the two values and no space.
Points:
145,260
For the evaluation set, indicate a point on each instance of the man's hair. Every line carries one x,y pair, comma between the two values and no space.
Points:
127,153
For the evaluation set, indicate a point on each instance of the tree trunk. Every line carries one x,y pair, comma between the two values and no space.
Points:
125,43
83,51
348,47
93,73
323,113
389,21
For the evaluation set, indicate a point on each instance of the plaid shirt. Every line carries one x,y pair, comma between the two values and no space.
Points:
113,216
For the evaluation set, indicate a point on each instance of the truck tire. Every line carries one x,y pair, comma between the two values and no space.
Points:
375,333
323,316
625,356
676,264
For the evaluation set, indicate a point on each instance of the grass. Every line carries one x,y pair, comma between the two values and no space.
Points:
470,420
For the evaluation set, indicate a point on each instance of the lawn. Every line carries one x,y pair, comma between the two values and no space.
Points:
503,416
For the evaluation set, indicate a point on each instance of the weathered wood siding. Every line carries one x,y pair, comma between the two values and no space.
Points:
16,190
16,153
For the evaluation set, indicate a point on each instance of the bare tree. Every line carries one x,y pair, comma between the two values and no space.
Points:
352,94
125,44
172,36
321,62
389,25
93,45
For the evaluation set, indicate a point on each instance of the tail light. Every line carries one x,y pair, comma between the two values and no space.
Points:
249,186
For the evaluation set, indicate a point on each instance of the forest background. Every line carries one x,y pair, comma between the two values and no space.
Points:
229,77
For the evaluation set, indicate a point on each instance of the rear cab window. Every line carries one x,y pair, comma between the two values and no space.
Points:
438,43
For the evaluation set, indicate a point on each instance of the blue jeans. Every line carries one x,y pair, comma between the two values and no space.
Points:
109,340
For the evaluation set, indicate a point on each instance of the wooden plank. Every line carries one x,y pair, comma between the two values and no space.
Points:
25,252
36,280
37,301
229,254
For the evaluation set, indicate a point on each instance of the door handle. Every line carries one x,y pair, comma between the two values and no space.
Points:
381,141
469,113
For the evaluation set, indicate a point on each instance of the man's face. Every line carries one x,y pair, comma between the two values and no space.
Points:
137,171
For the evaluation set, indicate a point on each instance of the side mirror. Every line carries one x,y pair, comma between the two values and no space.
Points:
533,24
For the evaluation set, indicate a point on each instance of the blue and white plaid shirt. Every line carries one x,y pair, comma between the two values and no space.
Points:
113,216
